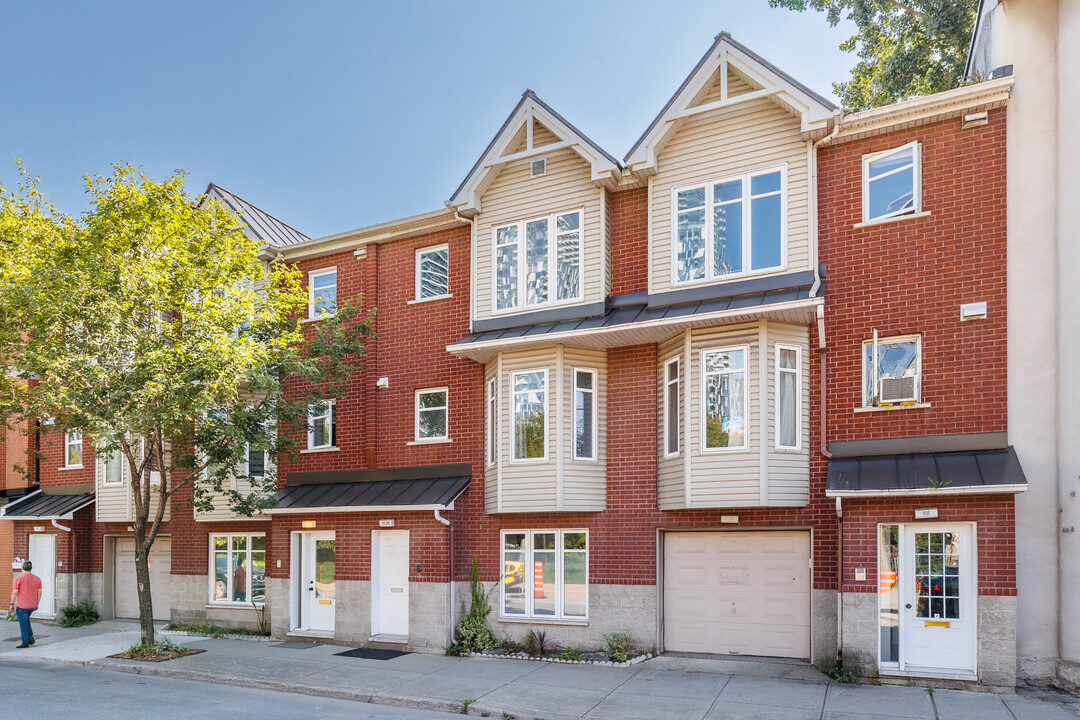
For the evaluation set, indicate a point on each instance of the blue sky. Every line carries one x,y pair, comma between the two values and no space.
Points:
337,115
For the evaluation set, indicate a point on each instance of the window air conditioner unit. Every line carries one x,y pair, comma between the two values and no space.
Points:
897,390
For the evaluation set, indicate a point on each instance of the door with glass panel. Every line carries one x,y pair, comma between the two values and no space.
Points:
933,599
316,576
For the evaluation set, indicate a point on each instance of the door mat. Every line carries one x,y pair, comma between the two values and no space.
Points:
296,645
372,653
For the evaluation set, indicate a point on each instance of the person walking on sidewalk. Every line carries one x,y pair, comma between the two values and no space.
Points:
25,597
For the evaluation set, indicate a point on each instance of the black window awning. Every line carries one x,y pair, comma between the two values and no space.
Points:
40,505
948,473
420,488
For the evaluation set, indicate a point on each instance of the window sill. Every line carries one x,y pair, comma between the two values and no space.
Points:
536,308
436,441
895,218
529,461
726,451
317,319
430,299
71,467
890,408
232,606
319,450
584,622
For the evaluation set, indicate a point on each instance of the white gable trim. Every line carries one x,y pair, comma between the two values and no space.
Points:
605,169
815,113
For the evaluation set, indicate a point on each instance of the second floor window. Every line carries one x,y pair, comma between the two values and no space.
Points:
254,462
433,272
322,292
73,445
892,370
538,262
724,414
530,422
729,227
431,414
321,427
112,469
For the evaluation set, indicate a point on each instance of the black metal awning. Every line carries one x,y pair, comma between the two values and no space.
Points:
40,505
950,473
421,488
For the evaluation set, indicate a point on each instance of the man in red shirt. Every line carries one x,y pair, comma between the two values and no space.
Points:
25,597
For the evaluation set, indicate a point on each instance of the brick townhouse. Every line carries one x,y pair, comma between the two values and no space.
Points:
602,379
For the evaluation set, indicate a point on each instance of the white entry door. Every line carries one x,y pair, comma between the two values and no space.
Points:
937,574
390,582
315,578
43,555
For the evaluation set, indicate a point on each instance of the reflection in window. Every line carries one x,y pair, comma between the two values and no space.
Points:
239,569
529,440
322,292
431,414
671,407
892,374
584,414
725,398
937,575
549,264
433,272
889,591
890,183
545,574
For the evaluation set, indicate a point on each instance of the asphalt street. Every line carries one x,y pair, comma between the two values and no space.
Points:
45,690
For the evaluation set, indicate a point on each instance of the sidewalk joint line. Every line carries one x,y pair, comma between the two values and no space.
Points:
612,691
727,679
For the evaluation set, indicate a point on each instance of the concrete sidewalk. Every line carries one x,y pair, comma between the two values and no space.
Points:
664,687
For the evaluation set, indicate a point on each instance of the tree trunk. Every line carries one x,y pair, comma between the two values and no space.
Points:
142,579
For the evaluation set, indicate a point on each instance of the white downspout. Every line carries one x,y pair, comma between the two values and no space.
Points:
838,118
74,579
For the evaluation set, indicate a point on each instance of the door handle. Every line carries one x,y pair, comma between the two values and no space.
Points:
908,606
311,589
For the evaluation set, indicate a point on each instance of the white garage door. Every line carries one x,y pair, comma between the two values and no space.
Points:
745,593
126,597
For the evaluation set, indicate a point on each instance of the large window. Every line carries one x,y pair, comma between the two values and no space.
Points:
432,407
892,371
891,183
322,292
538,262
529,440
724,416
729,227
545,574
671,406
788,397
433,272
584,414
237,569
73,447
322,431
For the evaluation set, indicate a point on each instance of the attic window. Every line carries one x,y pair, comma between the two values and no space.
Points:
538,167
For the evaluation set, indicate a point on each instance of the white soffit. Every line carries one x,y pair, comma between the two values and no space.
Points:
605,168
814,111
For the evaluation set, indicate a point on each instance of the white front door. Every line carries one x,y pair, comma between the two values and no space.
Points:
937,578
315,579
390,582
43,556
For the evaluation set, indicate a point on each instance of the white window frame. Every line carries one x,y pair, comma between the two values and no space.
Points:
710,204
527,580
553,242
668,382
797,372
155,475
595,390
513,417
746,399
103,460
493,421
311,291
330,416
918,368
416,414
916,181
228,572
419,274
69,443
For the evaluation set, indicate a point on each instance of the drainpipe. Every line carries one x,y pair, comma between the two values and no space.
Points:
71,544
840,584
449,527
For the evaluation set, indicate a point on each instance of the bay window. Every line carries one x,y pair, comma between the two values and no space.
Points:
671,407
788,397
724,399
237,569
545,574
538,262
492,421
529,428
584,414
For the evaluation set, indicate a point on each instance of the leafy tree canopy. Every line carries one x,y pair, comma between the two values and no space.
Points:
157,328
905,49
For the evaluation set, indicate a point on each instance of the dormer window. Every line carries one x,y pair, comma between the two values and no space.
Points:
528,253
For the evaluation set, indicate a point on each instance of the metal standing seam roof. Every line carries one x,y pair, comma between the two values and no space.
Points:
969,472
39,505
404,494
262,224
639,313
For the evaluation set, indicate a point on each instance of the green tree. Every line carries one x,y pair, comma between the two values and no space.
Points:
905,49
154,326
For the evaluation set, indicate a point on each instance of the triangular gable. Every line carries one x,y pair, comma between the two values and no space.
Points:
258,224
728,74
532,129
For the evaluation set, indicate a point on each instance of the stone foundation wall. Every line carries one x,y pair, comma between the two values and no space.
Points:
189,606
860,633
996,640
823,628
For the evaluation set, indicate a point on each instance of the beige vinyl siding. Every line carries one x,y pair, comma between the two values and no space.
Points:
733,478
514,195
789,470
750,136
557,483
735,86
113,503
542,136
222,511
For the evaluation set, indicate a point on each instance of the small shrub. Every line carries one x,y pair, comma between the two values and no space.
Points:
512,645
570,653
618,646
79,615
457,650
838,674
472,632
163,646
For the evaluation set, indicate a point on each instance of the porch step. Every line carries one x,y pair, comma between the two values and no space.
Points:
388,640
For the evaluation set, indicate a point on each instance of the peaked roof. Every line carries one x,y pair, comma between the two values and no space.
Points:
260,224
605,167
815,111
